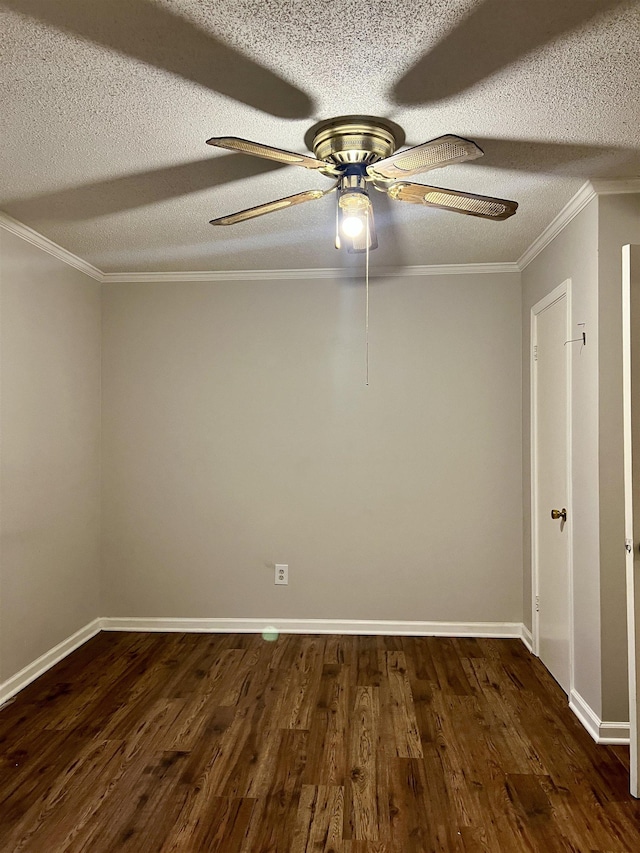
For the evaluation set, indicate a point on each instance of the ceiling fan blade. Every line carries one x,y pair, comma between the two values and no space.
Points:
492,36
269,207
257,149
443,151
152,33
458,202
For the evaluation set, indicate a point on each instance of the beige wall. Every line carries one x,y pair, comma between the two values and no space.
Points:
619,224
589,252
573,254
238,432
49,448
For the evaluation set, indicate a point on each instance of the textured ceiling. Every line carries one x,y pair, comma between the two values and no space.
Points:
107,106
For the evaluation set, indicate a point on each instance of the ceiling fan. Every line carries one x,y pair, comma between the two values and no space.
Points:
361,151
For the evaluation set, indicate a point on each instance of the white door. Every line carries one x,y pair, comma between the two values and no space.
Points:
551,512
631,368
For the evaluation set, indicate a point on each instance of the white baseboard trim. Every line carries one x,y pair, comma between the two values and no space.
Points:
601,732
318,626
619,732
527,638
21,679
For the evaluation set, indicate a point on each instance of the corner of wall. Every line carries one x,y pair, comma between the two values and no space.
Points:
618,224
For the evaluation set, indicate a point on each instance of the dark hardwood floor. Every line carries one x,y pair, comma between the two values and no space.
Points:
210,742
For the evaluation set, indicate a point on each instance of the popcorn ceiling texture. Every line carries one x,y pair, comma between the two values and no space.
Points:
107,106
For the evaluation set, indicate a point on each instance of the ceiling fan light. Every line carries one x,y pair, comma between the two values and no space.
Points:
355,205
352,225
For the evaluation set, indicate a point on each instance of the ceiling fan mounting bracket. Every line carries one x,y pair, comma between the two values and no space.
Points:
355,140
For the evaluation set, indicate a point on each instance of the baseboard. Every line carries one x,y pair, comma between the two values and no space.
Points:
20,680
497,630
527,638
601,732
318,626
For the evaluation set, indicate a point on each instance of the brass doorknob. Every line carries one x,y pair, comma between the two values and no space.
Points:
559,513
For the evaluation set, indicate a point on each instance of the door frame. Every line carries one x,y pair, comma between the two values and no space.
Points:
629,356
561,291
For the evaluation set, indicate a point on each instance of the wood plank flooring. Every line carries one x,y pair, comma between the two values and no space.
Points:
181,743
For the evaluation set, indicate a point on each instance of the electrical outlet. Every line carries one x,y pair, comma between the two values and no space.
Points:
282,573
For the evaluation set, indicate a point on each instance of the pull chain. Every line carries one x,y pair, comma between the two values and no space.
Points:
366,313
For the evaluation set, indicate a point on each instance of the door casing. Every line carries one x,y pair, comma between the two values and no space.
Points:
630,367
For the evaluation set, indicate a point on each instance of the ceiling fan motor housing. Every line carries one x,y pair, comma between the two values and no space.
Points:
352,140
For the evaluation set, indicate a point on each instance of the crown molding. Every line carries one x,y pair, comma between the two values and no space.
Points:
461,269
573,207
303,274
616,186
218,275
587,192
36,239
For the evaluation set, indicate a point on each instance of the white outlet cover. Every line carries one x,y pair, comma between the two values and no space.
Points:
281,573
